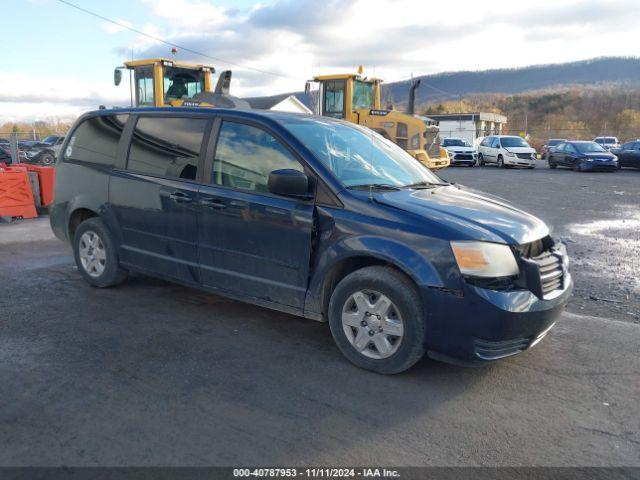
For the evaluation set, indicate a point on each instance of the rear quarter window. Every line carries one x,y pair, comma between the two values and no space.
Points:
96,140
167,146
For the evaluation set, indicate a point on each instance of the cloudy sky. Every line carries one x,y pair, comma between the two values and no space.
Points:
59,61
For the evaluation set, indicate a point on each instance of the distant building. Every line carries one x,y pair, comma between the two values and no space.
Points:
282,103
470,126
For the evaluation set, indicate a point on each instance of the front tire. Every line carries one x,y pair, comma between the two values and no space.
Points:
376,319
500,161
96,255
481,160
552,164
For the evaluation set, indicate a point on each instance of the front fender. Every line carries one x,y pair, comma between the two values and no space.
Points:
429,264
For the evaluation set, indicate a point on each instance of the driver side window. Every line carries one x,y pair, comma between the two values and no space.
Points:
246,155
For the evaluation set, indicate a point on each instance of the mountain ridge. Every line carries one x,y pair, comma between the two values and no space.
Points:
443,86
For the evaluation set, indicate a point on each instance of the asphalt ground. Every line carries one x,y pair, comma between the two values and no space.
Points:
152,373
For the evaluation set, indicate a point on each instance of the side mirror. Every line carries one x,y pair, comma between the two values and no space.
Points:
117,76
288,182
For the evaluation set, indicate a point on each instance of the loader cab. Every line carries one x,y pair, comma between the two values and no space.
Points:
340,96
158,82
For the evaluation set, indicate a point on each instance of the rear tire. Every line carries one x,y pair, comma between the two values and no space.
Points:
378,306
96,256
47,159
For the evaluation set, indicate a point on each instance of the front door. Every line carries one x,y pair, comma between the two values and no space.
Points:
155,197
251,242
334,98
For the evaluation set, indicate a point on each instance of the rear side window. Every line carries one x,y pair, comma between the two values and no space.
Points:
96,140
167,146
245,155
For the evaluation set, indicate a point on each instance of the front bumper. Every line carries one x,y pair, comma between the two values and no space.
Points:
598,165
519,162
480,325
463,158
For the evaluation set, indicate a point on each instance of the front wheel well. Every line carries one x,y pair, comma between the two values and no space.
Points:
77,217
343,268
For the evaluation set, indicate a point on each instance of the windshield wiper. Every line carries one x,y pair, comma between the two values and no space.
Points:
377,186
426,184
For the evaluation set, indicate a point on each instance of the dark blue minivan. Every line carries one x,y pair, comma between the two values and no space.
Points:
311,216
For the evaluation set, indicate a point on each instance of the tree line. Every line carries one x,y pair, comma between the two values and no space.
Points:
577,113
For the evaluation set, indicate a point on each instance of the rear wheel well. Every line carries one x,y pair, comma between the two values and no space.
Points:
345,267
77,217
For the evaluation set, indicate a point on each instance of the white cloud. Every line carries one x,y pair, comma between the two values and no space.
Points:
26,97
392,39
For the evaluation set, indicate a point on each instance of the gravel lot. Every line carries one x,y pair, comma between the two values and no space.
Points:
152,373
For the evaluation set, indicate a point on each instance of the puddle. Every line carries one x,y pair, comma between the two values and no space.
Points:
613,246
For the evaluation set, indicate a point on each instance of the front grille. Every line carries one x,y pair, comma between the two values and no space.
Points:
551,271
463,156
524,155
543,266
490,350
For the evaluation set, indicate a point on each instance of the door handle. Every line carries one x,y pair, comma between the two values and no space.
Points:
212,203
180,197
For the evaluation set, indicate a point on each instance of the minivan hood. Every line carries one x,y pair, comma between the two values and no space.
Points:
520,149
474,215
460,149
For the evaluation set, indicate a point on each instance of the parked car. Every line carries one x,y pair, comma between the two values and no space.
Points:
628,154
506,150
582,156
315,217
55,141
5,154
460,151
552,142
607,142
42,154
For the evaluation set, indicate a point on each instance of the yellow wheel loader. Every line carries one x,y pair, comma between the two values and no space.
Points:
159,82
357,100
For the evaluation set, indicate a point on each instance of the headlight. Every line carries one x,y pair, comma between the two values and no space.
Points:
483,259
510,154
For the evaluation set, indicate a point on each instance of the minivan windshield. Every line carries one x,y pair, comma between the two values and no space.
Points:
358,156
587,147
508,142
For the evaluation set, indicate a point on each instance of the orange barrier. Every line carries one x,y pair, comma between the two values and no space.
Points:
46,179
16,197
